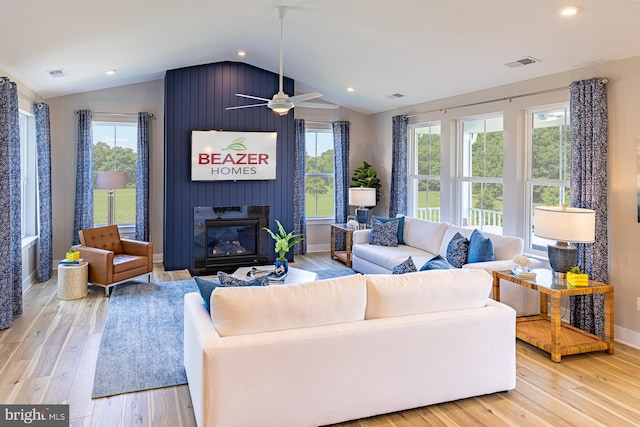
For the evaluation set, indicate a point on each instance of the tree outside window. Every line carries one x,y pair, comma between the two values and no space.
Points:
424,172
115,148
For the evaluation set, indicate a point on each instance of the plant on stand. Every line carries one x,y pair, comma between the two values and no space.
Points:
284,242
365,176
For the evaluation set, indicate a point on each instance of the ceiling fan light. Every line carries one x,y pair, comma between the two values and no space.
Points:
281,109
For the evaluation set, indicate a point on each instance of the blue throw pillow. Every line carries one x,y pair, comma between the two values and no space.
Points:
406,267
480,248
384,233
207,286
457,250
400,225
436,263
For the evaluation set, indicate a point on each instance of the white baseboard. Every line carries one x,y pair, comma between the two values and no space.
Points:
627,336
157,258
318,248
29,280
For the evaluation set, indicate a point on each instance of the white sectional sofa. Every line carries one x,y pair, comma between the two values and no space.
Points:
346,348
424,240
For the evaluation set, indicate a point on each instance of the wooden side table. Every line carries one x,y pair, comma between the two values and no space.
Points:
546,331
344,256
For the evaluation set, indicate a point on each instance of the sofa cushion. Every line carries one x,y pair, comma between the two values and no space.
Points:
480,248
407,266
400,220
436,263
426,292
249,310
505,247
457,250
384,233
389,257
425,235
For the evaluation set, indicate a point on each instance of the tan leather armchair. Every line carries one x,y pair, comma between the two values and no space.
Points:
113,260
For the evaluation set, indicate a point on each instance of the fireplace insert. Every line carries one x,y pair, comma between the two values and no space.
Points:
228,237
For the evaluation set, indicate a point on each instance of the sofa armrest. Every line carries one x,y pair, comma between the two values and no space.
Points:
491,266
361,236
100,263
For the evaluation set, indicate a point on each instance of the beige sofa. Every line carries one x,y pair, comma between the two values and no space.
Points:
424,240
346,348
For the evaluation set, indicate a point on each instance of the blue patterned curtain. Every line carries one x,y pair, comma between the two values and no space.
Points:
299,217
342,176
84,176
10,206
588,108
398,193
142,179
45,233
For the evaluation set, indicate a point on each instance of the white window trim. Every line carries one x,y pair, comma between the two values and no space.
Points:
319,220
414,178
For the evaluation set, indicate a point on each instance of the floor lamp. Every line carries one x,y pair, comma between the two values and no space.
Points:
110,180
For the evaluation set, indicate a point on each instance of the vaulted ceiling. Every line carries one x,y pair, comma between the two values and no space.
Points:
421,49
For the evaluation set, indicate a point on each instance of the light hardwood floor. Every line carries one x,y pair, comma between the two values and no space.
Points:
49,356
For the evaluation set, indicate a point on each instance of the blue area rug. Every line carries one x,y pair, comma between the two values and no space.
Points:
334,272
142,341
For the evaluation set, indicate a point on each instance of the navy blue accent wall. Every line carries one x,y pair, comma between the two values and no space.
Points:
195,99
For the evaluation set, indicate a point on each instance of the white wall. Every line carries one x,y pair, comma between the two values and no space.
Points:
624,127
134,98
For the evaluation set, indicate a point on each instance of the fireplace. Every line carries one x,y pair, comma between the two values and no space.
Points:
228,237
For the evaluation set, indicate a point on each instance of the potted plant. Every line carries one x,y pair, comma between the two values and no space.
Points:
365,176
284,242
576,277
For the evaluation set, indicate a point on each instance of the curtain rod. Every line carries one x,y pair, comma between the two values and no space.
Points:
114,114
506,98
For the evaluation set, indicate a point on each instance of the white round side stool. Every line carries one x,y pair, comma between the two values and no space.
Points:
73,280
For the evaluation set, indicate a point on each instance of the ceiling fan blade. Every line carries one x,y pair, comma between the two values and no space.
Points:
245,106
317,105
252,97
305,97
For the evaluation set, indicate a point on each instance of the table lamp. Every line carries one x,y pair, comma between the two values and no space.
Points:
363,198
576,225
110,180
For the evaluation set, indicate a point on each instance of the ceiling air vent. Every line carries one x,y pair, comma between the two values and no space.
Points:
395,96
57,73
522,61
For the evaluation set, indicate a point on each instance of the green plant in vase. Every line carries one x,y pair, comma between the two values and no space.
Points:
284,242
365,176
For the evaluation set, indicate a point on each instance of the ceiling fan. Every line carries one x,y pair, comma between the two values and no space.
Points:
281,103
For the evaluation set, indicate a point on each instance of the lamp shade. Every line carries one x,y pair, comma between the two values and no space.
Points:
361,196
565,224
111,180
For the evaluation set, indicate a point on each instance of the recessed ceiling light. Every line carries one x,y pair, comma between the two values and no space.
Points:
350,89
242,53
110,72
569,10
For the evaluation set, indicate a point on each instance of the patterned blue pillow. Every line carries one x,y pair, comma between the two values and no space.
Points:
207,286
480,248
406,267
384,233
400,220
457,250
228,280
436,263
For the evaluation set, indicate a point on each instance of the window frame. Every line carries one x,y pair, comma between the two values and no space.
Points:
462,179
28,178
413,175
327,129
530,182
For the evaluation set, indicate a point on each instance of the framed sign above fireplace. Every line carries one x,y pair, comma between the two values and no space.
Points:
232,156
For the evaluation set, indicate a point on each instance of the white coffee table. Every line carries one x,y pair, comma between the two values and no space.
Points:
294,277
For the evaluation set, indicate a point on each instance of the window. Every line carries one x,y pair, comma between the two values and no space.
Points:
424,171
549,165
319,175
115,147
481,161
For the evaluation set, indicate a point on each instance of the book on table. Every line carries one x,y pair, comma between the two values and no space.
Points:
523,274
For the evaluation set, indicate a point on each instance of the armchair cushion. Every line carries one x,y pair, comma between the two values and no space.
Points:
125,262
